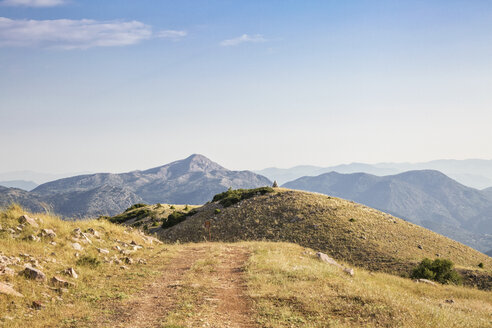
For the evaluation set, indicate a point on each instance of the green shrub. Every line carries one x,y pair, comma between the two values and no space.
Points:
480,265
217,211
352,220
175,218
88,261
231,197
136,214
440,270
135,206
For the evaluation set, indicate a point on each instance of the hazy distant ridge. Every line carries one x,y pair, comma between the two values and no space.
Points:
476,173
427,198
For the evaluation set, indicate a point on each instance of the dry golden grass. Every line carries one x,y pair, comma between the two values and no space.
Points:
290,287
96,288
282,284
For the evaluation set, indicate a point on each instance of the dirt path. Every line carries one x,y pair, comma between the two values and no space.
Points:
202,286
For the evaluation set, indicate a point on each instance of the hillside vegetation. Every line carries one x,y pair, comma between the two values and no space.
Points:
290,287
93,262
150,218
119,277
345,230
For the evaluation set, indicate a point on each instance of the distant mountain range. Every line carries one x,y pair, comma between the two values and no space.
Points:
20,184
193,180
33,176
476,173
427,197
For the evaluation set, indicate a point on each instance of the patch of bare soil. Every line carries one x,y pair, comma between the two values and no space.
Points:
225,301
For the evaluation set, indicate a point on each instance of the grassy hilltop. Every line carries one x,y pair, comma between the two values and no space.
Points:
345,230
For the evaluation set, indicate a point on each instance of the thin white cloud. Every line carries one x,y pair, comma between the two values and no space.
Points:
33,3
76,34
243,39
171,34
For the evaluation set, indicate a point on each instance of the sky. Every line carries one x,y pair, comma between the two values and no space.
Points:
119,85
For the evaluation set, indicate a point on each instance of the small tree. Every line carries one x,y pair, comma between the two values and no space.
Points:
275,184
440,270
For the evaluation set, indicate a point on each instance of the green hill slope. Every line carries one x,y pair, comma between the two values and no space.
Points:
347,231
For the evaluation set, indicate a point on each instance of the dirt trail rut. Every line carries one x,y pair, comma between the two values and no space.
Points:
192,297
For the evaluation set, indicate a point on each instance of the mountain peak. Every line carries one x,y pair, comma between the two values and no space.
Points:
197,162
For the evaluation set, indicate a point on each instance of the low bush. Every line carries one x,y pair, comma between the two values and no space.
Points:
440,270
136,214
135,206
88,261
175,218
231,197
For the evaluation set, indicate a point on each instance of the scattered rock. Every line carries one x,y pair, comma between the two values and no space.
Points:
8,290
325,258
71,272
6,271
128,260
47,233
35,263
349,271
58,282
24,219
124,267
450,301
32,238
33,274
61,290
103,251
425,281
85,239
37,305
77,246
94,233
420,247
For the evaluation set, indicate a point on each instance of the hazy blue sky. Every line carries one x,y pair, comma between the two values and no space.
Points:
117,85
